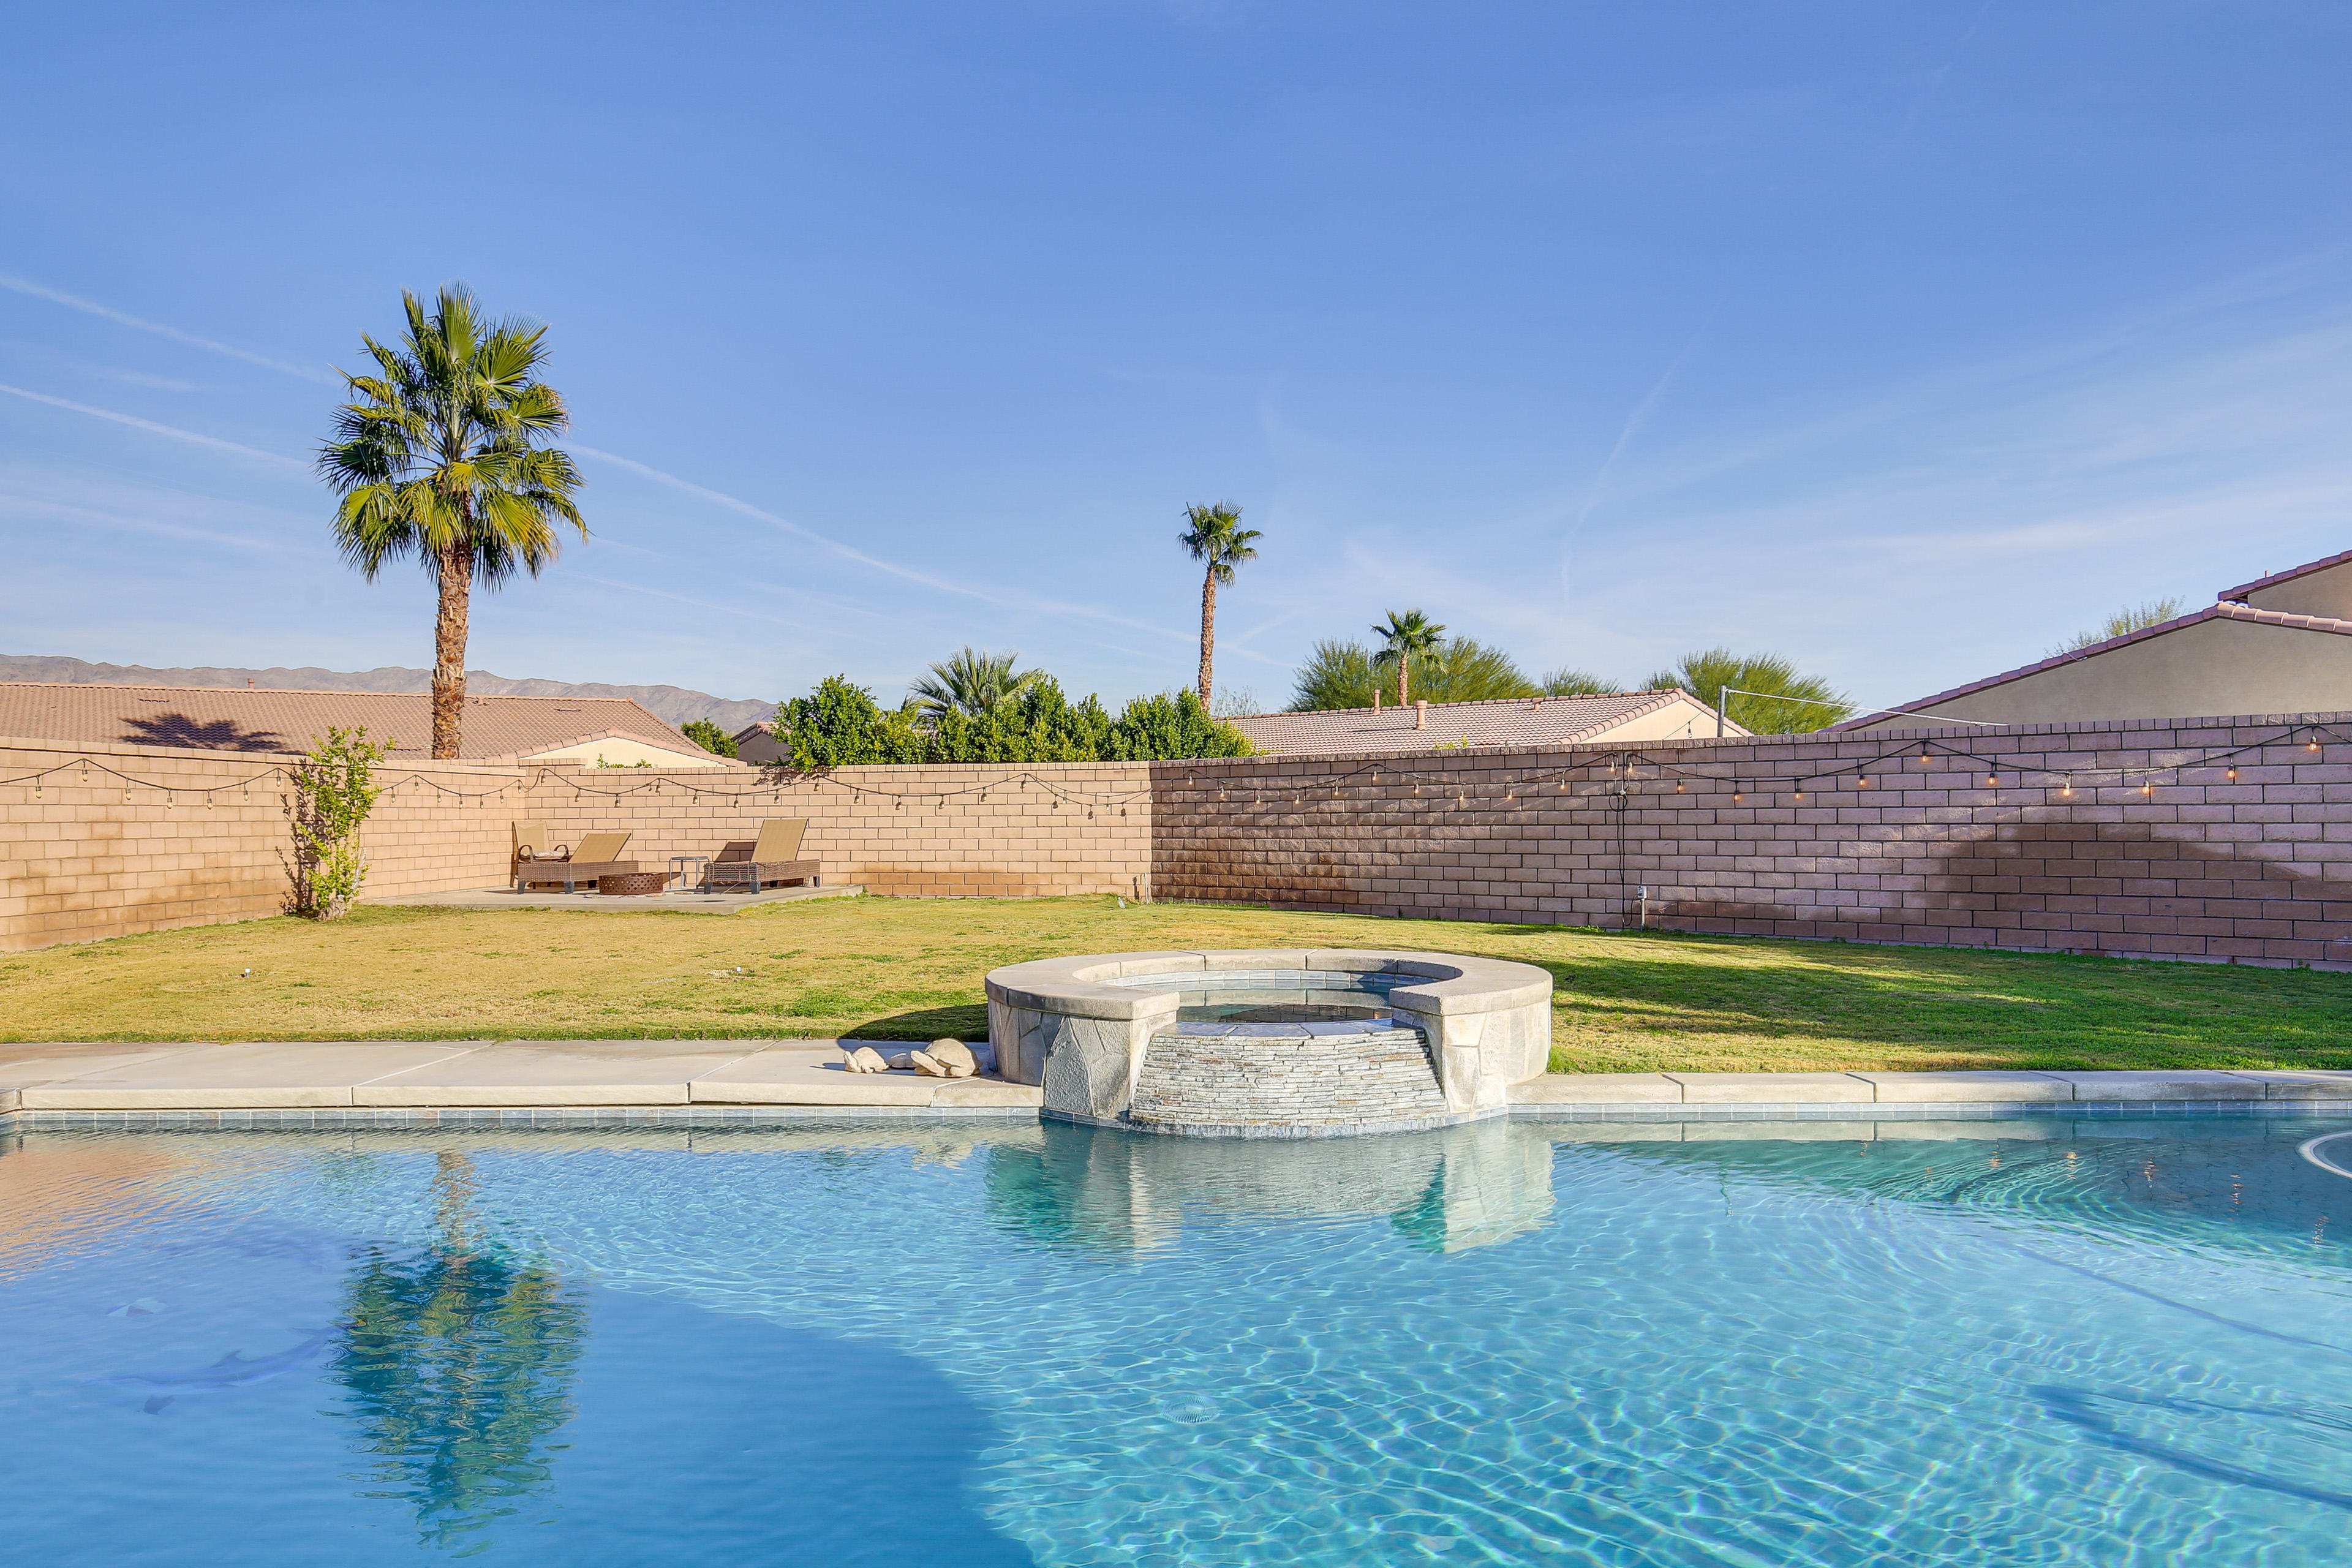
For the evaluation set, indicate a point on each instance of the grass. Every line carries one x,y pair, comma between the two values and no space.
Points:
911,969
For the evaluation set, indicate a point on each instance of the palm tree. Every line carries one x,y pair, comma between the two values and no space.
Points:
974,683
1217,537
439,456
1401,640
1768,695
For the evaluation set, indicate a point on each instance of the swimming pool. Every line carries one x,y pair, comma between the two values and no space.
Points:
2099,1342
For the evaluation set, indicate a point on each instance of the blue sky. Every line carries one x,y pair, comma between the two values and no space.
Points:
1903,340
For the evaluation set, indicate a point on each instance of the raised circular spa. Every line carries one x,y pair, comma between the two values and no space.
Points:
1255,1044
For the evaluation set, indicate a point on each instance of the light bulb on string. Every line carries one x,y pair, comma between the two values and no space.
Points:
1678,786
2069,788
1862,782
1737,798
2233,776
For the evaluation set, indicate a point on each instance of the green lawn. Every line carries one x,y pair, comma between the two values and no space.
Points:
911,969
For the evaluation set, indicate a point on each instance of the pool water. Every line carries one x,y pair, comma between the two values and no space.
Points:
1275,1007
1278,996
2099,1343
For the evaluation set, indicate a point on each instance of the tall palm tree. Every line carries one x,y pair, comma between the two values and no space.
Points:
1404,636
973,683
440,456
1217,537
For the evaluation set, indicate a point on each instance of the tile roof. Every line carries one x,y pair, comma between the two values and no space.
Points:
2224,611
2289,576
229,719
1503,722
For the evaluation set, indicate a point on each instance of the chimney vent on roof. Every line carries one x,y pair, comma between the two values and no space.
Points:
1420,712
248,681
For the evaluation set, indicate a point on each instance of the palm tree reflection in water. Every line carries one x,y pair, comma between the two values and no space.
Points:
460,1362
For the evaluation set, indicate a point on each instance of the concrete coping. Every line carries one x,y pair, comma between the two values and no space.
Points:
1117,984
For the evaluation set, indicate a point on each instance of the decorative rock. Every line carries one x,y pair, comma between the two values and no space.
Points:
927,1064
902,1062
865,1059
956,1057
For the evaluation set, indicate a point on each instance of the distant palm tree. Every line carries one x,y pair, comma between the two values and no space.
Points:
439,456
1767,696
2122,623
1404,636
1217,537
974,683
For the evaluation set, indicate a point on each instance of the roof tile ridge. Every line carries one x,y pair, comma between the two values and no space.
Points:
2289,576
2071,656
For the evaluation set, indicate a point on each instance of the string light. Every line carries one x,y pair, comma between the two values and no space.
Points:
2070,785
1678,786
1992,781
1923,759
2148,788
1737,798
1862,783
2233,776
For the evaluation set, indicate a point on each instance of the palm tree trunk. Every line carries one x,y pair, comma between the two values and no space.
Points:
1404,680
457,578
1208,634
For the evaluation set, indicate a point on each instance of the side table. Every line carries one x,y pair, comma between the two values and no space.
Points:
697,867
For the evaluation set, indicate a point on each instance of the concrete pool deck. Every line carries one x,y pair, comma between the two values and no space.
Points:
394,1075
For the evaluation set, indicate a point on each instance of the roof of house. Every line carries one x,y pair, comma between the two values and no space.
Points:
229,719
1501,722
2289,576
2227,610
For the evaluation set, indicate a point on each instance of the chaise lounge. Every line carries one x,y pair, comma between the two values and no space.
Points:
595,856
748,864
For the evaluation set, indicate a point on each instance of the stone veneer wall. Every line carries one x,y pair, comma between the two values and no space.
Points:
2257,869
83,855
1263,1084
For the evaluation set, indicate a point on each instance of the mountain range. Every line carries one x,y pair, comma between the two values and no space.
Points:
673,703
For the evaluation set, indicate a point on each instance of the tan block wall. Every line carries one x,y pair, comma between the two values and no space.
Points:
2256,869
80,861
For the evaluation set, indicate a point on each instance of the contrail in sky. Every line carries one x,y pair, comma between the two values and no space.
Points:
174,431
850,553
92,307
715,497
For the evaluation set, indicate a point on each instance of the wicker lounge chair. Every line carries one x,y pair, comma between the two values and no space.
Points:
748,864
597,856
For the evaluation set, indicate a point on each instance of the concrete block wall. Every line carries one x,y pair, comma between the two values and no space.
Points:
103,842
998,830
2156,851
109,841
2121,837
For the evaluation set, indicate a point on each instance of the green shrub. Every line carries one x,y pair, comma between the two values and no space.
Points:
710,738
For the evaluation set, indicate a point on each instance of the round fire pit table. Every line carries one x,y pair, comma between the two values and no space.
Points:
631,884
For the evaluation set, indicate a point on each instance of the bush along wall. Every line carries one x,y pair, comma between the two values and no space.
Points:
841,725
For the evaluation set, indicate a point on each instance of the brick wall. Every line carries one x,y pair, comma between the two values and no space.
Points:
2196,865
2155,852
116,840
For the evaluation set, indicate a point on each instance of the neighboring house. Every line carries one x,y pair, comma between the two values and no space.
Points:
2281,644
1547,721
582,730
757,744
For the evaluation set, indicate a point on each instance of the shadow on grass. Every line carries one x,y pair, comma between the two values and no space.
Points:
1990,1010
967,1021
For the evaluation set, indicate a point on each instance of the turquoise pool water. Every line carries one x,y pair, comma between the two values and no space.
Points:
2104,1344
